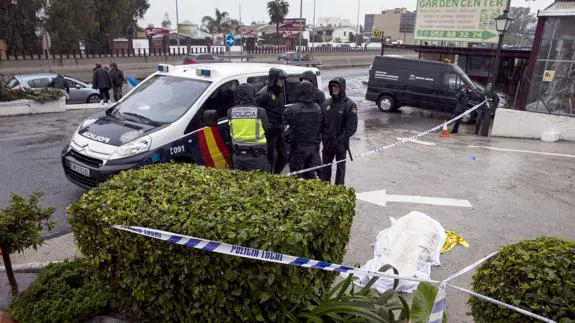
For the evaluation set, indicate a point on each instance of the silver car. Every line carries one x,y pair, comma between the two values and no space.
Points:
80,92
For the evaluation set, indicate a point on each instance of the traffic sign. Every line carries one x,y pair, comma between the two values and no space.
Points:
376,33
230,40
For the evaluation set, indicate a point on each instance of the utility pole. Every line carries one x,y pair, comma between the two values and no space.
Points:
241,37
300,17
357,22
177,26
313,32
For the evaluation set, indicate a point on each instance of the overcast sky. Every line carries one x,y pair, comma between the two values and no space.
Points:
255,10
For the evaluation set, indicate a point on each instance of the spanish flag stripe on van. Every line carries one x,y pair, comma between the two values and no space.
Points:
216,155
221,145
208,161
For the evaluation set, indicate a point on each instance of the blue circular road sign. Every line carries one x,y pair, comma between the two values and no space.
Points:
230,40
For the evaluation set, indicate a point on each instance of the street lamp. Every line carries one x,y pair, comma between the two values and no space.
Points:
502,24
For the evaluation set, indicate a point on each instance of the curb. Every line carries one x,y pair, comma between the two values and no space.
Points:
31,267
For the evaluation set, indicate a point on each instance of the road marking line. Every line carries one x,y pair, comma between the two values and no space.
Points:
415,141
524,151
381,198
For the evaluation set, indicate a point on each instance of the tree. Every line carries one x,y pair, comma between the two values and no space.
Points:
232,26
521,33
166,23
216,24
77,26
18,23
352,37
277,10
21,224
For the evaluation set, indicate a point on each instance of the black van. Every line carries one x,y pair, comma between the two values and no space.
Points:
395,82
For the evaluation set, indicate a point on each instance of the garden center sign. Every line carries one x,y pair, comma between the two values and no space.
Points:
458,20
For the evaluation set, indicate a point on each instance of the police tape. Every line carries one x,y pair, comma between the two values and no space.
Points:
274,257
400,142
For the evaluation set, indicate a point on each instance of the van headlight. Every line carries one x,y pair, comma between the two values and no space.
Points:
132,148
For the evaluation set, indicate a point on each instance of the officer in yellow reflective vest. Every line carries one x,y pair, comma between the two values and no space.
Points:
248,125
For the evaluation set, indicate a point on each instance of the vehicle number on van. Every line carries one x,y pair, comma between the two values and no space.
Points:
177,150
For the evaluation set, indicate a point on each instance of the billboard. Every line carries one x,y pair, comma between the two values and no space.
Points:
293,24
458,20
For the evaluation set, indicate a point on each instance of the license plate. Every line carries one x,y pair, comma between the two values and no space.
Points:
80,169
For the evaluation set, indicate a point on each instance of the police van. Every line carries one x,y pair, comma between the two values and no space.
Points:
176,114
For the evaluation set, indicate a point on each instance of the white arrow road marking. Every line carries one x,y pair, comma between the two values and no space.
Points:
415,141
381,198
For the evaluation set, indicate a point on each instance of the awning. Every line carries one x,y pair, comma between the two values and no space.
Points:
559,9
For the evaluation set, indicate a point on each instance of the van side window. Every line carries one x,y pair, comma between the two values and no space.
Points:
258,82
453,81
220,100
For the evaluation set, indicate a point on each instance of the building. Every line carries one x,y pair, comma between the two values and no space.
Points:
335,34
368,24
192,30
333,21
551,70
397,25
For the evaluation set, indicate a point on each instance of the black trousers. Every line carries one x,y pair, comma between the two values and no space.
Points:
332,153
277,150
302,157
479,120
105,94
249,162
455,128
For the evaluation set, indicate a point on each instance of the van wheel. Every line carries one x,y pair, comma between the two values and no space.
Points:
386,103
469,118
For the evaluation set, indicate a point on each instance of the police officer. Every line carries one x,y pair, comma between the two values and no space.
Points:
304,120
462,103
309,76
248,124
483,109
340,123
272,99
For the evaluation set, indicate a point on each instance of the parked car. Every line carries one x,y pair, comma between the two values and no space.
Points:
292,57
80,92
395,82
202,58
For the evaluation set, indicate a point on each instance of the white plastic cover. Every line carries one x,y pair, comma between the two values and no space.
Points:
550,136
412,244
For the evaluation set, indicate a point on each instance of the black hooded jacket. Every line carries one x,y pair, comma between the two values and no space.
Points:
319,96
340,121
247,98
272,98
305,118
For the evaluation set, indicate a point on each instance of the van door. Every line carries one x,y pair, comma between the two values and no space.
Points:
452,83
421,89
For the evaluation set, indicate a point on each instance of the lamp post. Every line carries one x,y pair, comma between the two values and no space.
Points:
502,24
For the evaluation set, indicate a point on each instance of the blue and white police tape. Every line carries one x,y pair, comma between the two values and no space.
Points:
268,256
400,142
257,254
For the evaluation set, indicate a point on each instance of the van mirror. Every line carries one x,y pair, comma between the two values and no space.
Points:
211,118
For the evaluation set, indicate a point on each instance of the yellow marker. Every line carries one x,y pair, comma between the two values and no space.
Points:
453,239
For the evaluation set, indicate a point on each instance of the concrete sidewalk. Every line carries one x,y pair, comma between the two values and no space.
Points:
57,249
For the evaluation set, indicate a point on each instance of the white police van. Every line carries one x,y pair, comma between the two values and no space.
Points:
171,115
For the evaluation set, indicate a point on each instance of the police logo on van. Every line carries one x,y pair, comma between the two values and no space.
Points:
95,137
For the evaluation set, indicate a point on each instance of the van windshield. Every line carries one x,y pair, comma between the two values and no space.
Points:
465,78
162,98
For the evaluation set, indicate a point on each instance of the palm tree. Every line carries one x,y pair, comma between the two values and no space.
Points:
216,24
232,26
278,9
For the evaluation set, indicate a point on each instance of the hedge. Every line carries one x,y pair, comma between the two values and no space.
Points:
63,292
152,280
535,275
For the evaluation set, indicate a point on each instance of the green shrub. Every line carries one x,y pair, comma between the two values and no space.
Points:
152,280
535,275
63,292
39,95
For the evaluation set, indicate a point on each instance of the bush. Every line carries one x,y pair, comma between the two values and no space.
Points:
63,292
152,280
535,275
39,95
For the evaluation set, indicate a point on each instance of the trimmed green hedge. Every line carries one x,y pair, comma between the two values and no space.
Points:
535,275
152,280
63,292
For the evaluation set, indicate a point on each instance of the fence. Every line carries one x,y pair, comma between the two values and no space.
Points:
179,51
